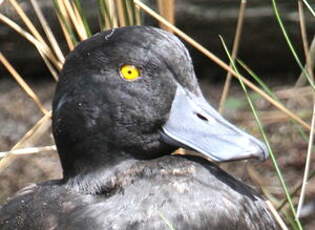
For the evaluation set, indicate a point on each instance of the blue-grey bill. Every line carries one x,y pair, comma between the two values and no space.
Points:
194,124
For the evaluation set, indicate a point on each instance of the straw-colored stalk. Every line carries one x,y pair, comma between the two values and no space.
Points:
276,215
309,7
307,162
290,44
48,31
66,24
39,45
167,10
112,13
66,34
27,21
309,53
120,13
28,139
22,83
236,42
29,150
76,22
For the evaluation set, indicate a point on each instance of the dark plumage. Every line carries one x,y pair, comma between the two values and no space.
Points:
115,136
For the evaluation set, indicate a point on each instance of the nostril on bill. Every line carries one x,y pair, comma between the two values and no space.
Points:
200,116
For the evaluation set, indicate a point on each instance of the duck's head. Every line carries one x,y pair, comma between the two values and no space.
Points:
133,90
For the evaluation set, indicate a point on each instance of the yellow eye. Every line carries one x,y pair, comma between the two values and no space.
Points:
129,72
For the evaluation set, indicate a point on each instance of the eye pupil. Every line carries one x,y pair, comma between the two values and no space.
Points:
129,72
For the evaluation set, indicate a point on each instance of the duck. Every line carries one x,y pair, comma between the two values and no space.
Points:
126,99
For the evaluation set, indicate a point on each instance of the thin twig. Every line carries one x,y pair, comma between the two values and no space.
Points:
236,42
65,23
294,191
138,15
311,57
308,52
48,31
37,130
276,215
112,13
166,221
120,13
22,83
26,20
214,58
307,163
79,19
303,27
50,67
35,32
167,10
66,34
309,7
77,25
30,150
39,45
289,43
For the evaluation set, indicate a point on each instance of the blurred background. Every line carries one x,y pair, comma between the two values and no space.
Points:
262,47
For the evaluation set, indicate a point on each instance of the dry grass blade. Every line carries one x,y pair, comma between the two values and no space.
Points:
296,92
120,12
130,12
35,32
303,27
42,49
260,181
28,139
66,34
65,23
138,15
309,7
112,13
82,16
77,15
26,20
63,10
48,31
30,150
104,17
234,54
22,83
296,95
294,191
39,45
222,64
268,117
311,57
276,215
79,27
309,52
307,163
167,10
79,20
49,65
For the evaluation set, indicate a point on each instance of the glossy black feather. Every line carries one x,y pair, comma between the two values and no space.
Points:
189,193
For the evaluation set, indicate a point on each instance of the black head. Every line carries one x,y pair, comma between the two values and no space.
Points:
97,110
95,107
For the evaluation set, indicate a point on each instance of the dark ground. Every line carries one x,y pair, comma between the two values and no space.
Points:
18,114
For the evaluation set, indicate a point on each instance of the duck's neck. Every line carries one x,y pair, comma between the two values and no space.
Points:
92,170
